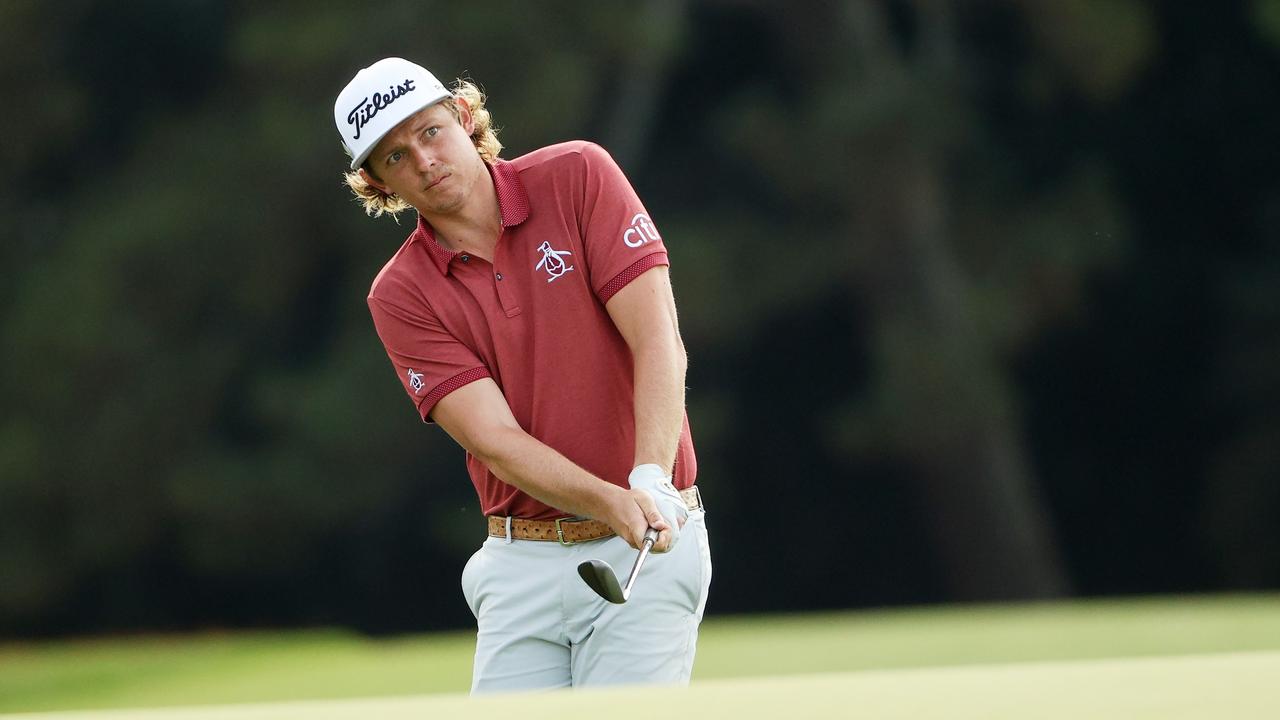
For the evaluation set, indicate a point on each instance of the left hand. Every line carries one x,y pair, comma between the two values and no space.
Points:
654,481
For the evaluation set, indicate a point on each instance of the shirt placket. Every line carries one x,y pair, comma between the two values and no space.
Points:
503,279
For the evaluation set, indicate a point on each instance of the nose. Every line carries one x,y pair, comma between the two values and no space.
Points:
423,159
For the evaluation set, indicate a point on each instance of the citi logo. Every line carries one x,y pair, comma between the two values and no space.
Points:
640,232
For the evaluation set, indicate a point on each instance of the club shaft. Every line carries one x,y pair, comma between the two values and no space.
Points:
649,538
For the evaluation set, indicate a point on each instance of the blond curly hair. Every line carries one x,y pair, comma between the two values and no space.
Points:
485,138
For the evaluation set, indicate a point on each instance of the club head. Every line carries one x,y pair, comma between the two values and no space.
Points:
600,577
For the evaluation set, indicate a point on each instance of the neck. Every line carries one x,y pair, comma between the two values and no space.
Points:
475,226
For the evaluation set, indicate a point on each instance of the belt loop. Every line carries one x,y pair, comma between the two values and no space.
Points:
508,529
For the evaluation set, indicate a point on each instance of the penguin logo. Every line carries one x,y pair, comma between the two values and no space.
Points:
552,261
415,381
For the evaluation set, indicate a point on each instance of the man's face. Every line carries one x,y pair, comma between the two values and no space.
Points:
428,160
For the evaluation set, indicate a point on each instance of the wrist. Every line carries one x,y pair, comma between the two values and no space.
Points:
608,501
646,475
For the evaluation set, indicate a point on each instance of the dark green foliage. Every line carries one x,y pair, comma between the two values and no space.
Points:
989,298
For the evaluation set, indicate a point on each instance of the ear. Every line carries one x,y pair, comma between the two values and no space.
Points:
369,178
465,119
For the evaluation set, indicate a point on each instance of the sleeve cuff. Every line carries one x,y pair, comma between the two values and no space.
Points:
635,270
438,392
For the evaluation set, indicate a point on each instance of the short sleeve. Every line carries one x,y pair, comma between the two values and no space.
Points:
430,362
620,238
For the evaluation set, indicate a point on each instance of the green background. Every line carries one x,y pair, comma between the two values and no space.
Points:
981,299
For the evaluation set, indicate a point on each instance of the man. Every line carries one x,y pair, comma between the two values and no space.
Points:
530,315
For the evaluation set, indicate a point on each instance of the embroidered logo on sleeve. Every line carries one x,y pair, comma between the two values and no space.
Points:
415,381
640,232
552,261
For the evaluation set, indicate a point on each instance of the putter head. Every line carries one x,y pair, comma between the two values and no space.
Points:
600,577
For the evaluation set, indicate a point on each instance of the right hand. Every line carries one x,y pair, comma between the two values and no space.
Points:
631,513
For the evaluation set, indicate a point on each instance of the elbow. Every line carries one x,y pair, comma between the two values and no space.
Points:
679,356
495,445
670,355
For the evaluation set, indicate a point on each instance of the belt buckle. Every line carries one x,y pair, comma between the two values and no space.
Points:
560,532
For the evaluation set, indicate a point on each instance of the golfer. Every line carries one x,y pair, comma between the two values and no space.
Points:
530,315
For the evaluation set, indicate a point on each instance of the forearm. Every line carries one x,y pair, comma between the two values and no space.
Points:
645,314
524,462
477,416
659,402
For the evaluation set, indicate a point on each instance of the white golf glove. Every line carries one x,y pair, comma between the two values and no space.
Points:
653,480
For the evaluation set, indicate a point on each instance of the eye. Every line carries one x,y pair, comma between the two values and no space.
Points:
394,158
432,131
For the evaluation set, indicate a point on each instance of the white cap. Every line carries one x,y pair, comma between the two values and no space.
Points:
377,99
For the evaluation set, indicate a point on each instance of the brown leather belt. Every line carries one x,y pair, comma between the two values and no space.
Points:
568,531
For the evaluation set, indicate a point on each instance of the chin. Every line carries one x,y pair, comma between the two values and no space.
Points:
442,202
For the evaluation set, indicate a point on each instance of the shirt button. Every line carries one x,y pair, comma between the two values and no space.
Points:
499,276
466,258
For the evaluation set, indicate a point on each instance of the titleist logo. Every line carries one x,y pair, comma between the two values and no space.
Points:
364,110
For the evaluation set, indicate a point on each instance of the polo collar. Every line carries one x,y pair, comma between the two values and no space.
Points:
513,205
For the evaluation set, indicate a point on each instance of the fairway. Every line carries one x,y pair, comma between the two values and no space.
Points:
1129,657
1239,686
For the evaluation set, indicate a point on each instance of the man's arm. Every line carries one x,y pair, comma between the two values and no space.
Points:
645,314
477,416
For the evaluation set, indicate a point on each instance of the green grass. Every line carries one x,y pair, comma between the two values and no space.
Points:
778,650
923,637
1239,686
246,667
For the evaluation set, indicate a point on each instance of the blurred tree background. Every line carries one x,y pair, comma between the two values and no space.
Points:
982,298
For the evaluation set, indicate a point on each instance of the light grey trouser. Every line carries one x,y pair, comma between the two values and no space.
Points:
540,626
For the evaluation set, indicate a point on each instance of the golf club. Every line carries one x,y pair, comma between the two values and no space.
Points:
599,576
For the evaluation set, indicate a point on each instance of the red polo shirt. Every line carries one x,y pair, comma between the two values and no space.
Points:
573,234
